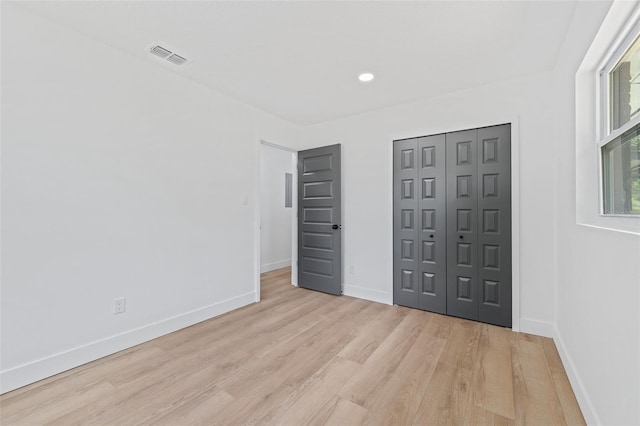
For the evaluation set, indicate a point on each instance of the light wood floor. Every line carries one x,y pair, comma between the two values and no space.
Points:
301,357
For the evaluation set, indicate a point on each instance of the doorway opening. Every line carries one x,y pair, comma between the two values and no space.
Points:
276,211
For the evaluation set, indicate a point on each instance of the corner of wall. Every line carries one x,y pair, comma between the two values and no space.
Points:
368,294
537,327
588,411
268,267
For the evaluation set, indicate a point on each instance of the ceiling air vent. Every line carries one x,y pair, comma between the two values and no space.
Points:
168,55
160,51
176,59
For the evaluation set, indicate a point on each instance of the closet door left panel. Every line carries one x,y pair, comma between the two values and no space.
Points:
432,224
406,268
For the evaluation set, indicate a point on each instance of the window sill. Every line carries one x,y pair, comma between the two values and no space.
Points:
609,228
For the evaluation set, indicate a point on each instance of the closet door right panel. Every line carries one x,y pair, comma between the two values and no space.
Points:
462,224
494,223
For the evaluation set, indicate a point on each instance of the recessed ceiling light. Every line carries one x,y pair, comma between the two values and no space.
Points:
365,77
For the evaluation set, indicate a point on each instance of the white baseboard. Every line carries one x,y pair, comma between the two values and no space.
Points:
31,372
579,390
275,265
368,294
537,327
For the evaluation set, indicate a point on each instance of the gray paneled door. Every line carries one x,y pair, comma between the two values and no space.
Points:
462,210
494,225
452,224
420,223
319,220
405,223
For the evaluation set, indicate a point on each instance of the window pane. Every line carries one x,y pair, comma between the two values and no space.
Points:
621,172
624,82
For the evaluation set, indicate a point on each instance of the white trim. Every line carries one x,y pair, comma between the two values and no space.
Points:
537,327
257,225
276,146
368,294
618,132
617,49
275,265
612,56
621,43
294,221
257,240
579,390
628,216
605,228
515,224
33,371
515,195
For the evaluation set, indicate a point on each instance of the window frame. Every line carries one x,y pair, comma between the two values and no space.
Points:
623,42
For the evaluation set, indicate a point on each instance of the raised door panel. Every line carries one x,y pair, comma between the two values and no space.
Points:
406,221
433,226
317,190
462,227
318,240
494,215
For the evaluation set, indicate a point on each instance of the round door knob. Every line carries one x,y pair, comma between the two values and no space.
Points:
461,237
430,236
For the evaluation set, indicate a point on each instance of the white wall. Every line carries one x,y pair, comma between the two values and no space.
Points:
276,219
367,183
597,327
119,179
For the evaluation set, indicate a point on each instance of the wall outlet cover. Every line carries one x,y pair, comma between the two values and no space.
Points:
119,305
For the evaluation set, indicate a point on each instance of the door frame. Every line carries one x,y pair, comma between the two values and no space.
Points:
515,194
258,217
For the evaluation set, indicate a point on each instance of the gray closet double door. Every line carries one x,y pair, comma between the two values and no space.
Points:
452,224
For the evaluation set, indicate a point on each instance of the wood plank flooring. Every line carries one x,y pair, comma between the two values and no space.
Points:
300,357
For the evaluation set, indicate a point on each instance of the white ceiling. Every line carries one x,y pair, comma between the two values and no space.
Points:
300,60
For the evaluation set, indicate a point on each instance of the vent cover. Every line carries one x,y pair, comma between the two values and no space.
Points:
168,55
176,59
160,51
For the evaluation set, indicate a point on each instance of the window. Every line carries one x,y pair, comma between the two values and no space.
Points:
620,142
621,173
624,92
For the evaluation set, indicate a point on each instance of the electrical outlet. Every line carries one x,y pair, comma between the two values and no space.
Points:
119,305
